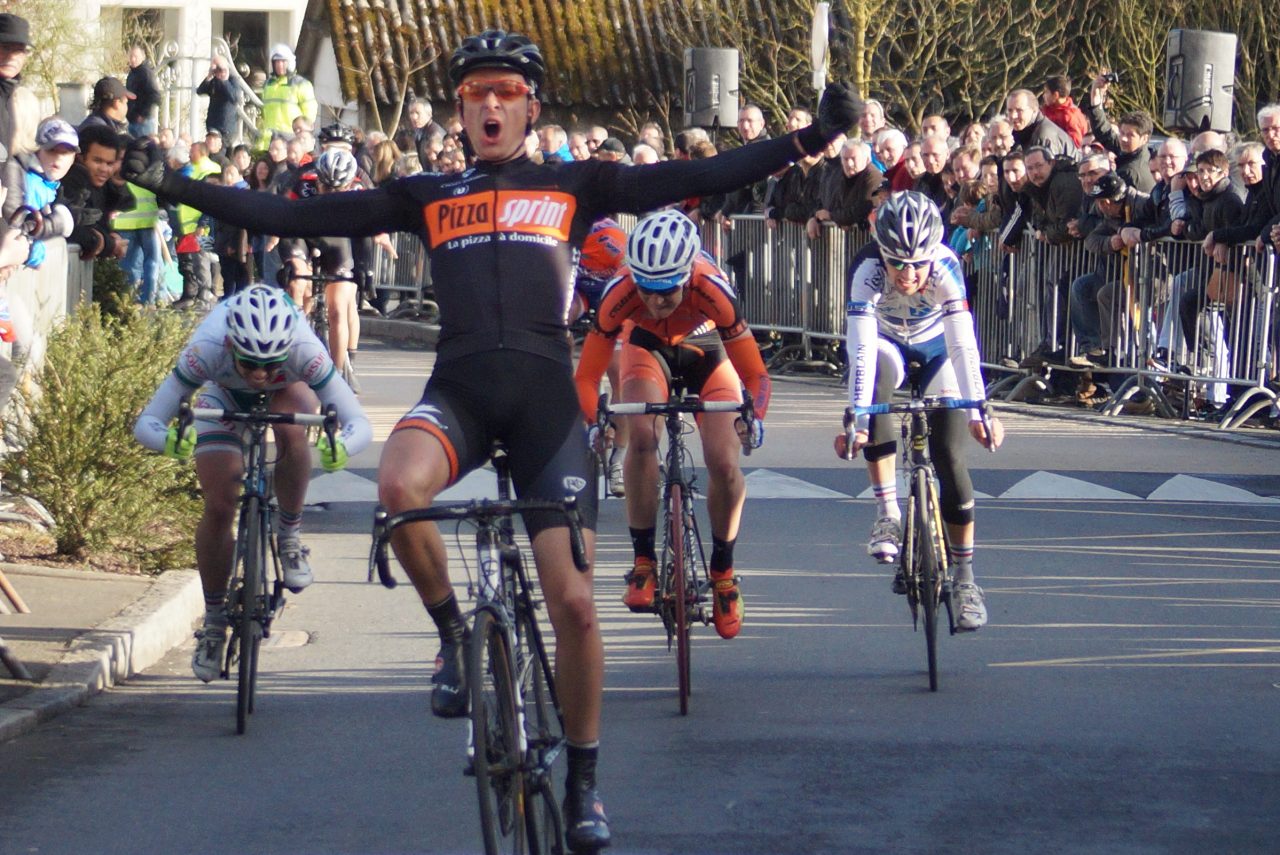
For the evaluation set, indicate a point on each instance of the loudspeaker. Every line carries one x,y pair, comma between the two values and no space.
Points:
1200,75
711,87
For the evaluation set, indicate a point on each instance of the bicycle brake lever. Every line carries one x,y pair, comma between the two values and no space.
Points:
378,549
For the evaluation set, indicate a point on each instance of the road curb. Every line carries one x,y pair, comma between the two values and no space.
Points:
132,641
413,332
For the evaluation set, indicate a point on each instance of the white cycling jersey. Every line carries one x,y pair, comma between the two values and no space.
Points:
207,360
878,310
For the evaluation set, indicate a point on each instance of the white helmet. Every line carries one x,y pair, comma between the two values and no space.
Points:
283,51
261,323
661,250
336,168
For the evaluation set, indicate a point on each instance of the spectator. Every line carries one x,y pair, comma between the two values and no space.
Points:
999,140
973,134
213,144
644,153
700,209
231,243
933,154
286,97
141,81
554,142
578,147
386,154
612,149
165,139
1263,215
652,135
1059,108
420,118
1154,217
846,200
1089,170
1128,140
935,126
686,139
18,107
109,106
872,121
1054,193
1093,295
798,118
887,149
595,137
93,193
191,231
56,145
1032,129
225,98
913,167
795,195
749,199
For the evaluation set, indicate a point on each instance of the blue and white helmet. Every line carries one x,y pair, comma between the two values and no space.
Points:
661,251
261,323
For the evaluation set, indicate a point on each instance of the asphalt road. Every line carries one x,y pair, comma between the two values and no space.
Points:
1123,698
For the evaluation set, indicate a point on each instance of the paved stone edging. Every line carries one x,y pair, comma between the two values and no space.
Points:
132,641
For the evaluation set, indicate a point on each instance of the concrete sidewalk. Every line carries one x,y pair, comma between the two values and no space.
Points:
87,631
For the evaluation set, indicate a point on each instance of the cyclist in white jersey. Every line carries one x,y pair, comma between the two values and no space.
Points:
255,342
906,304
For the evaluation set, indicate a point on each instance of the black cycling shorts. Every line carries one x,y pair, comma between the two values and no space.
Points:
528,402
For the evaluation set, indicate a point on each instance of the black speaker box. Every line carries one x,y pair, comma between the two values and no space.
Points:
1200,76
710,87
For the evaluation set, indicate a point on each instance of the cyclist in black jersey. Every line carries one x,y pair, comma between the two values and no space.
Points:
501,237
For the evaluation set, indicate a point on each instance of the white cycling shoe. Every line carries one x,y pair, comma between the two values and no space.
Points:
969,606
886,540
293,559
211,649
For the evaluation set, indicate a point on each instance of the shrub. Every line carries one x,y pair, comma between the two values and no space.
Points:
112,290
78,456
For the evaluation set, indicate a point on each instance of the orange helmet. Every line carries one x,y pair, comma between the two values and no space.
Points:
603,250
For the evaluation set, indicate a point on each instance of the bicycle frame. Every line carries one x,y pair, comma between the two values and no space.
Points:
505,636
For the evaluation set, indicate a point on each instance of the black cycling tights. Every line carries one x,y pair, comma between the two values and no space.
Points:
947,432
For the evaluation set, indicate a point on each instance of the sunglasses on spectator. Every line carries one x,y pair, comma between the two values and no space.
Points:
255,364
506,90
903,264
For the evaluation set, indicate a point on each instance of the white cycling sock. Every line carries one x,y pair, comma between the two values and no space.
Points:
887,500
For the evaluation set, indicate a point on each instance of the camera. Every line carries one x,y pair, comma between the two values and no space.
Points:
1112,77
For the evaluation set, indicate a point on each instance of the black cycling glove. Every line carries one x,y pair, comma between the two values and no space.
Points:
143,165
838,111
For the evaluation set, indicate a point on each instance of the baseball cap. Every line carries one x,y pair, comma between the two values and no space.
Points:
1109,187
109,89
56,132
612,144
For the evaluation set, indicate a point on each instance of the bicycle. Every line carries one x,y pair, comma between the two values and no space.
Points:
683,583
253,598
922,560
516,730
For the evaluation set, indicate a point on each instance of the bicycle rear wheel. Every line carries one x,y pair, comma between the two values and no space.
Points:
680,566
497,759
929,566
248,629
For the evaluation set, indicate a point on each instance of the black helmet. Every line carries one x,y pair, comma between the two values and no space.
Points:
337,133
498,49
908,226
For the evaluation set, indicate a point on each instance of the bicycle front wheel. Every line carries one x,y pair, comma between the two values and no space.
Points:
681,562
929,565
544,734
497,756
248,628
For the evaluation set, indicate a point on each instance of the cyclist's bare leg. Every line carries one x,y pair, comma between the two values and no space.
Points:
219,473
623,427
579,648
293,454
337,306
640,468
353,319
299,289
726,488
413,470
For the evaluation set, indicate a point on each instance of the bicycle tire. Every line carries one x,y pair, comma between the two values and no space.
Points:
907,560
248,629
680,572
544,734
930,566
495,739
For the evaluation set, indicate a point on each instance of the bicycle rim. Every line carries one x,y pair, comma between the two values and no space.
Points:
495,739
248,629
929,564
680,567
544,732
907,560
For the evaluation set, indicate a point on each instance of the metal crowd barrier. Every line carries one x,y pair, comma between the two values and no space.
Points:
407,278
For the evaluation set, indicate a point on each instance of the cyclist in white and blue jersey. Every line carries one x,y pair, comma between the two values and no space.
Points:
906,304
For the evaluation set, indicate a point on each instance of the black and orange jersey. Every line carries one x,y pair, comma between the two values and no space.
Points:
501,236
709,303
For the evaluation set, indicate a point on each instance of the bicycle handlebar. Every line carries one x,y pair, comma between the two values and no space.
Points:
917,405
483,511
688,404
328,421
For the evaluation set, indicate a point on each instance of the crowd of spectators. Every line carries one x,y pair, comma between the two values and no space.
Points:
1068,174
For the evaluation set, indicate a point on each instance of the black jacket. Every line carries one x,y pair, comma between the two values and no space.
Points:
145,87
1056,203
224,96
1135,166
91,209
1219,208
848,200
1045,133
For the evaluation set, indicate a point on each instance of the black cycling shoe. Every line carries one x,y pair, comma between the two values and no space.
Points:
899,582
449,695
586,828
